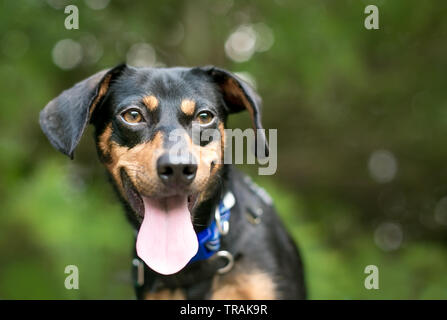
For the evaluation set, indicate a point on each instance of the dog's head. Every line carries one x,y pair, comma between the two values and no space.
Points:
149,133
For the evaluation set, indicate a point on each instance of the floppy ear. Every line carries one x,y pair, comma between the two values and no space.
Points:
64,119
239,96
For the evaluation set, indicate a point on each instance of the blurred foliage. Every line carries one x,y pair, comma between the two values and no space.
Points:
336,92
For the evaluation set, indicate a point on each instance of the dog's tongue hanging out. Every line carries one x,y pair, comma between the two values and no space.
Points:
166,241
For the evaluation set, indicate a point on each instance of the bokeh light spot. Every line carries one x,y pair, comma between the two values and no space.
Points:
91,48
176,35
441,211
388,236
141,55
67,54
248,39
264,37
382,166
240,45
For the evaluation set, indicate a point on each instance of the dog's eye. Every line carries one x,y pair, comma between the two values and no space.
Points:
204,117
132,116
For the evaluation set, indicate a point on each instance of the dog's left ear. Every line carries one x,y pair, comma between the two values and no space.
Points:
239,96
64,119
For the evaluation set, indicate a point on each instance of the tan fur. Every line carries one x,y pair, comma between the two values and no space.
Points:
236,285
233,92
205,175
104,141
151,102
101,93
139,163
188,106
165,294
248,285
222,148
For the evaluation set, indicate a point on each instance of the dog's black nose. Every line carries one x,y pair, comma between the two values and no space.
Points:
176,171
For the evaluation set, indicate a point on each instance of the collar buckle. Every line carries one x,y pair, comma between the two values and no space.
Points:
222,226
209,238
222,213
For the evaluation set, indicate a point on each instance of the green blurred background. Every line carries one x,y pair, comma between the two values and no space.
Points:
361,117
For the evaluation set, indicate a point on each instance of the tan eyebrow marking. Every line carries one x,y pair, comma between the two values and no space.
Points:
188,106
150,102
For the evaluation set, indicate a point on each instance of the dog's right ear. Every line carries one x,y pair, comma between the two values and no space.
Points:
64,119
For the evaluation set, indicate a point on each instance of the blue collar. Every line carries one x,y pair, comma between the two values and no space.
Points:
209,239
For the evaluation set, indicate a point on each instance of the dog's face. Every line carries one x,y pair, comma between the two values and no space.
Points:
144,131
150,126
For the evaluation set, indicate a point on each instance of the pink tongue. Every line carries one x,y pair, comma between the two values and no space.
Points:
166,241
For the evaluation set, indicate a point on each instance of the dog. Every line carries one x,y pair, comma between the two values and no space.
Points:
203,229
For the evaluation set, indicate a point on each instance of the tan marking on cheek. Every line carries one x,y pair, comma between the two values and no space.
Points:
150,102
139,163
213,153
166,294
104,141
101,93
222,148
188,106
255,285
204,156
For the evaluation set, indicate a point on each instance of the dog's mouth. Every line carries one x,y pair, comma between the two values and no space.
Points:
166,240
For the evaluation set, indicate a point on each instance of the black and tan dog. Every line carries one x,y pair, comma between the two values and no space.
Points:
176,203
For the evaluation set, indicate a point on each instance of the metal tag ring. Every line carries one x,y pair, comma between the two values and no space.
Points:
139,272
230,261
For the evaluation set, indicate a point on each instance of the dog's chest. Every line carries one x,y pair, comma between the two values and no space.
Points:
236,285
